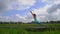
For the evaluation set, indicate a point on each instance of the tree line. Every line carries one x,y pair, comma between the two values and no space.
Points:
28,23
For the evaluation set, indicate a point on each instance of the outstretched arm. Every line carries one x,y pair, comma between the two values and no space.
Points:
31,12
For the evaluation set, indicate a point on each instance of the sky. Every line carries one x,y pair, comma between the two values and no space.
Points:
19,10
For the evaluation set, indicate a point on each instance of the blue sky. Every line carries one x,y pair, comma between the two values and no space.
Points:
18,10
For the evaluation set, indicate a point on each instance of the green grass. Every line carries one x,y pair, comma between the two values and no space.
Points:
28,25
23,31
23,25
12,31
53,25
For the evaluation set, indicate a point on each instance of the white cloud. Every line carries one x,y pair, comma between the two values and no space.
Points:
42,13
17,18
51,1
5,18
42,10
8,19
16,4
24,19
49,12
20,16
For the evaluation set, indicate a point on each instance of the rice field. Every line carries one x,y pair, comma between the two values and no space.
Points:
22,30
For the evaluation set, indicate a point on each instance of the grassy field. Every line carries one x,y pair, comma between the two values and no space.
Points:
24,31
28,25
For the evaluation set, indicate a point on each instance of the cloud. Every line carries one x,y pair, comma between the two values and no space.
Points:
5,18
42,13
25,18
47,13
54,12
53,8
51,1
42,10
17,18
9,19
50,12
16,4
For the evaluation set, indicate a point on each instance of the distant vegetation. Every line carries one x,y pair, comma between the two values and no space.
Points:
53,22
28,23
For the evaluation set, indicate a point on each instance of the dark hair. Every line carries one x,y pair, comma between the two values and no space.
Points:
34,14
